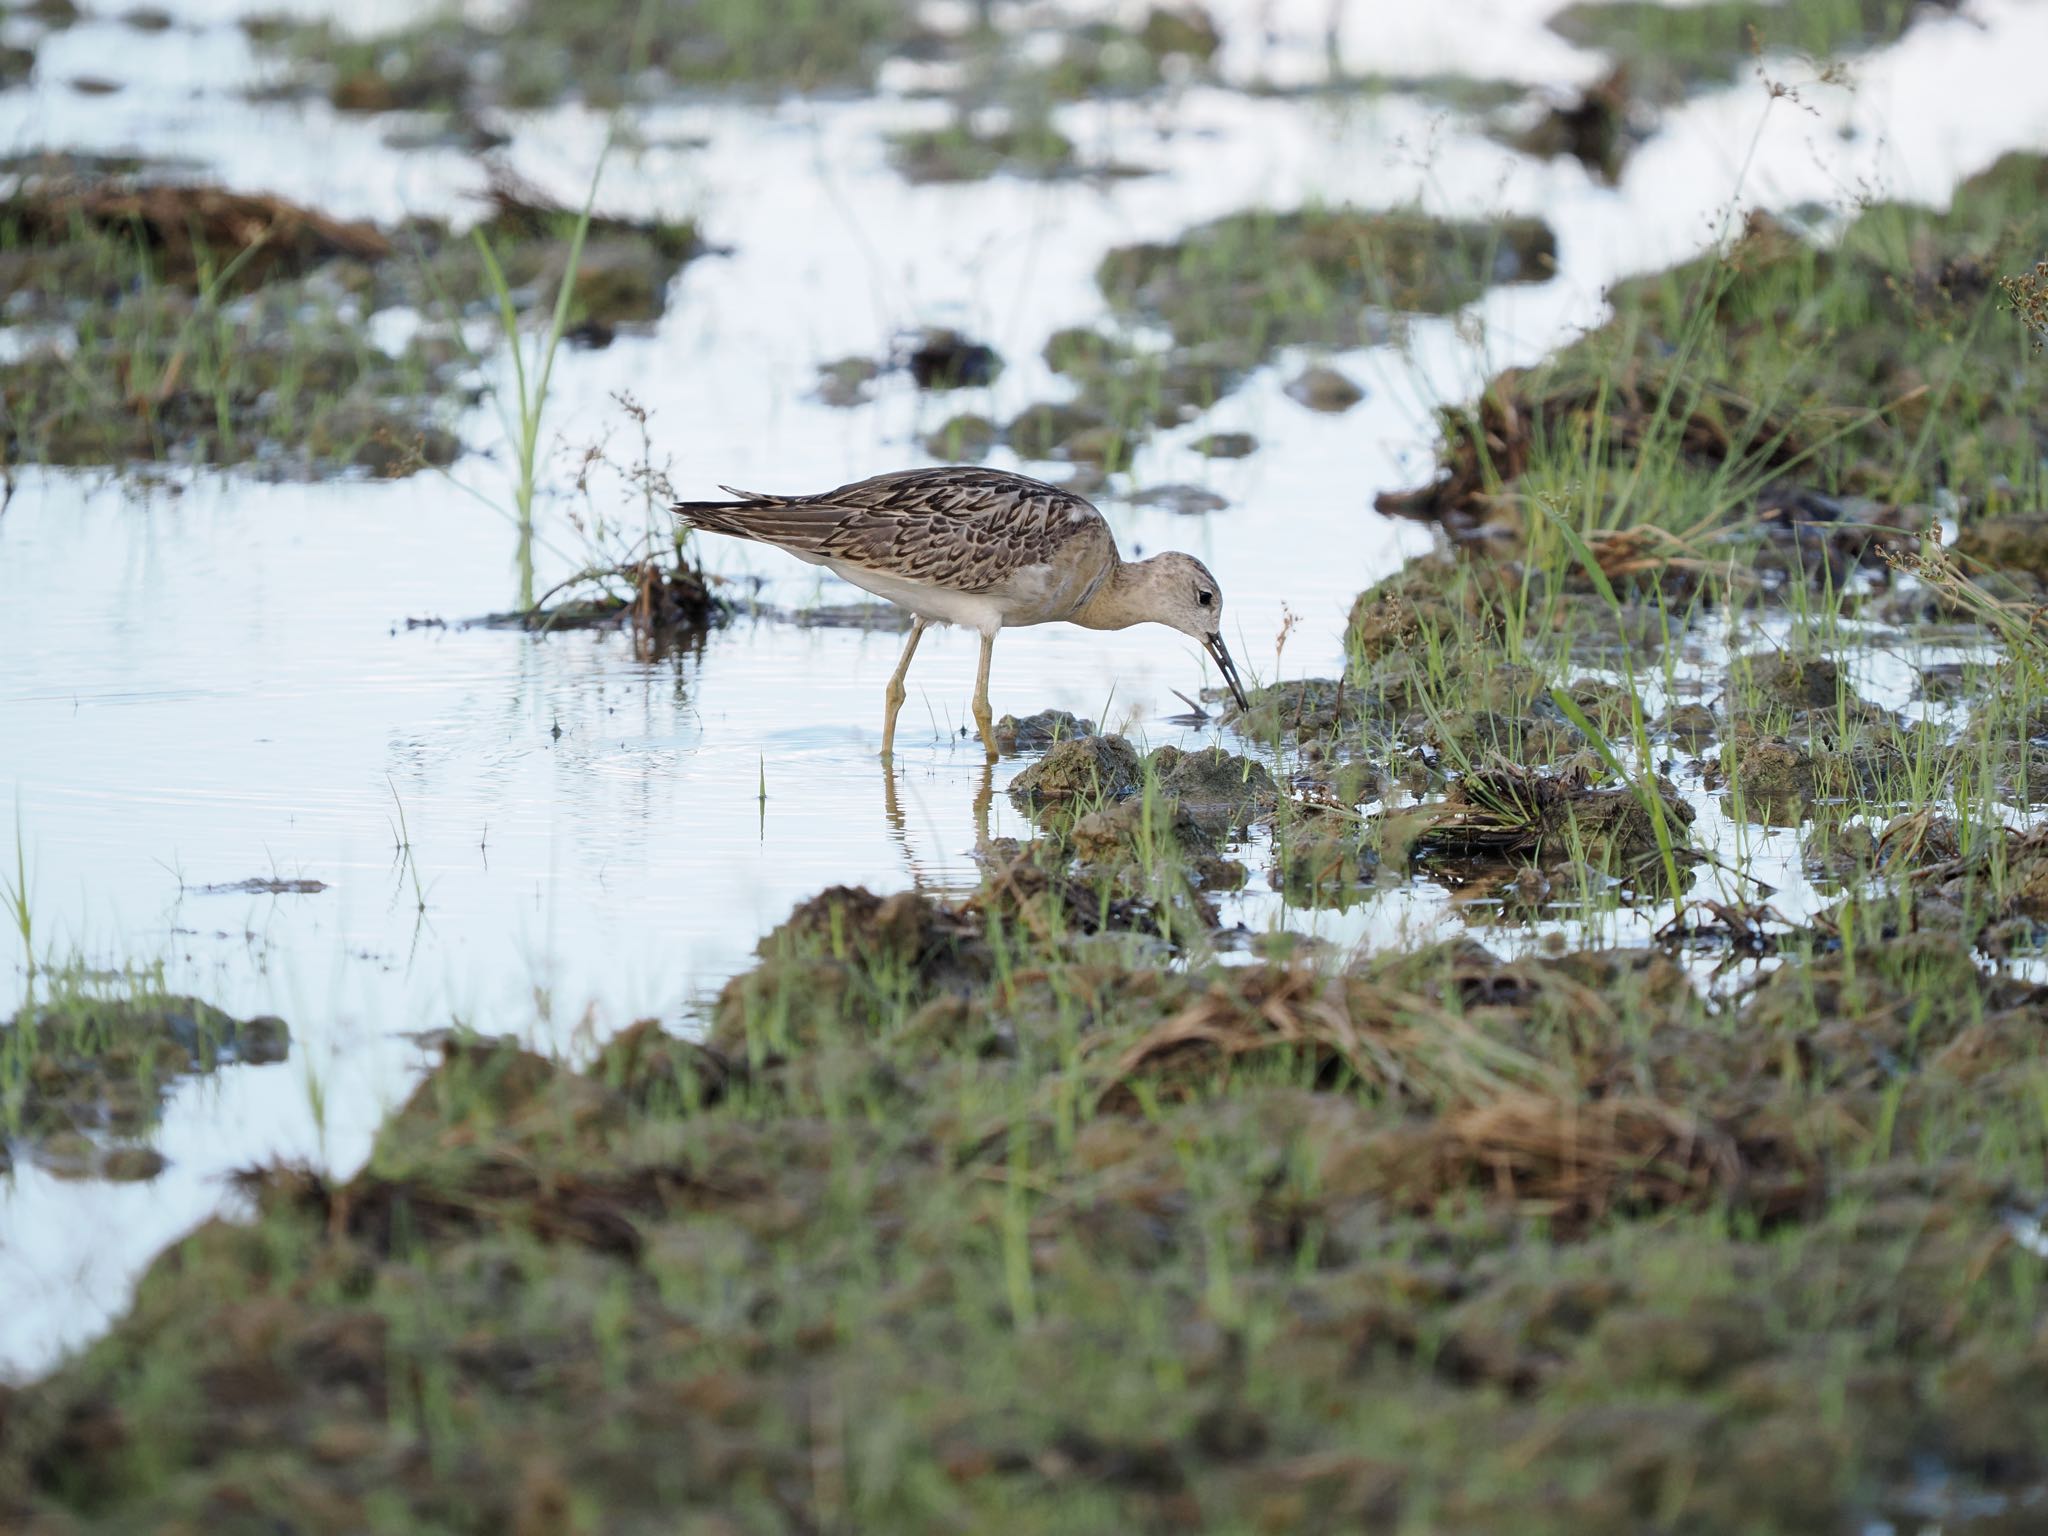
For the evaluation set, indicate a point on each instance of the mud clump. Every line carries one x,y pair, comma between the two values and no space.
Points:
1182,499
1225,445
1323,861
622,272
1505,812
1313,706
1778,780
1325,390
1690,725
1428,598
941,358
1035,733
1218,789
843,382
1131,827
1060,431
1090,768
1797,683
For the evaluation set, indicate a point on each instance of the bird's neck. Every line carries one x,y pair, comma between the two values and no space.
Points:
1115,603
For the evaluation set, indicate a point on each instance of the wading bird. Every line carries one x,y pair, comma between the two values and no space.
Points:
982,549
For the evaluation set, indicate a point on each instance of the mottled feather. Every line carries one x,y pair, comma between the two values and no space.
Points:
963,528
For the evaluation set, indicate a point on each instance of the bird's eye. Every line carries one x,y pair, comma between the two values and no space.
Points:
1205,598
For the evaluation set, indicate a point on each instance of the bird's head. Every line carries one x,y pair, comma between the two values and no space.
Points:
1178,591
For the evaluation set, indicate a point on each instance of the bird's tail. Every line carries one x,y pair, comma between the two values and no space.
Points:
718,516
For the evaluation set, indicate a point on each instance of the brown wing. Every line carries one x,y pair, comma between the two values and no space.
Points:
966,528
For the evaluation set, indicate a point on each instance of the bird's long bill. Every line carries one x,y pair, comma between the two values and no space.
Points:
1221,652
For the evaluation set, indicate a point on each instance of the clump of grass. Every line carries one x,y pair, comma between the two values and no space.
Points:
156,359
1672,51
544,52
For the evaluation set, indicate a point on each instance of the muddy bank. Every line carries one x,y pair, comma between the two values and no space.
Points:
951,1219
182,322
1828,400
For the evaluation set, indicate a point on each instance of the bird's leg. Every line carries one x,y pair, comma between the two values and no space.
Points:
894,695
984,717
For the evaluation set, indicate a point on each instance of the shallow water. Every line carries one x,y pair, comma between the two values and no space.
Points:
216,679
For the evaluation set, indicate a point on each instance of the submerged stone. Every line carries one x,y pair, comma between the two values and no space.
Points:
1324,389
1187,500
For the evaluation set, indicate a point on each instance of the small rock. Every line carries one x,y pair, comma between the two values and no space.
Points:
1042,431
1034,733
845,382
1183,29
1225,445
1325,389
1098,445
132,1165
1188,500
961,438
945,359
1077,350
